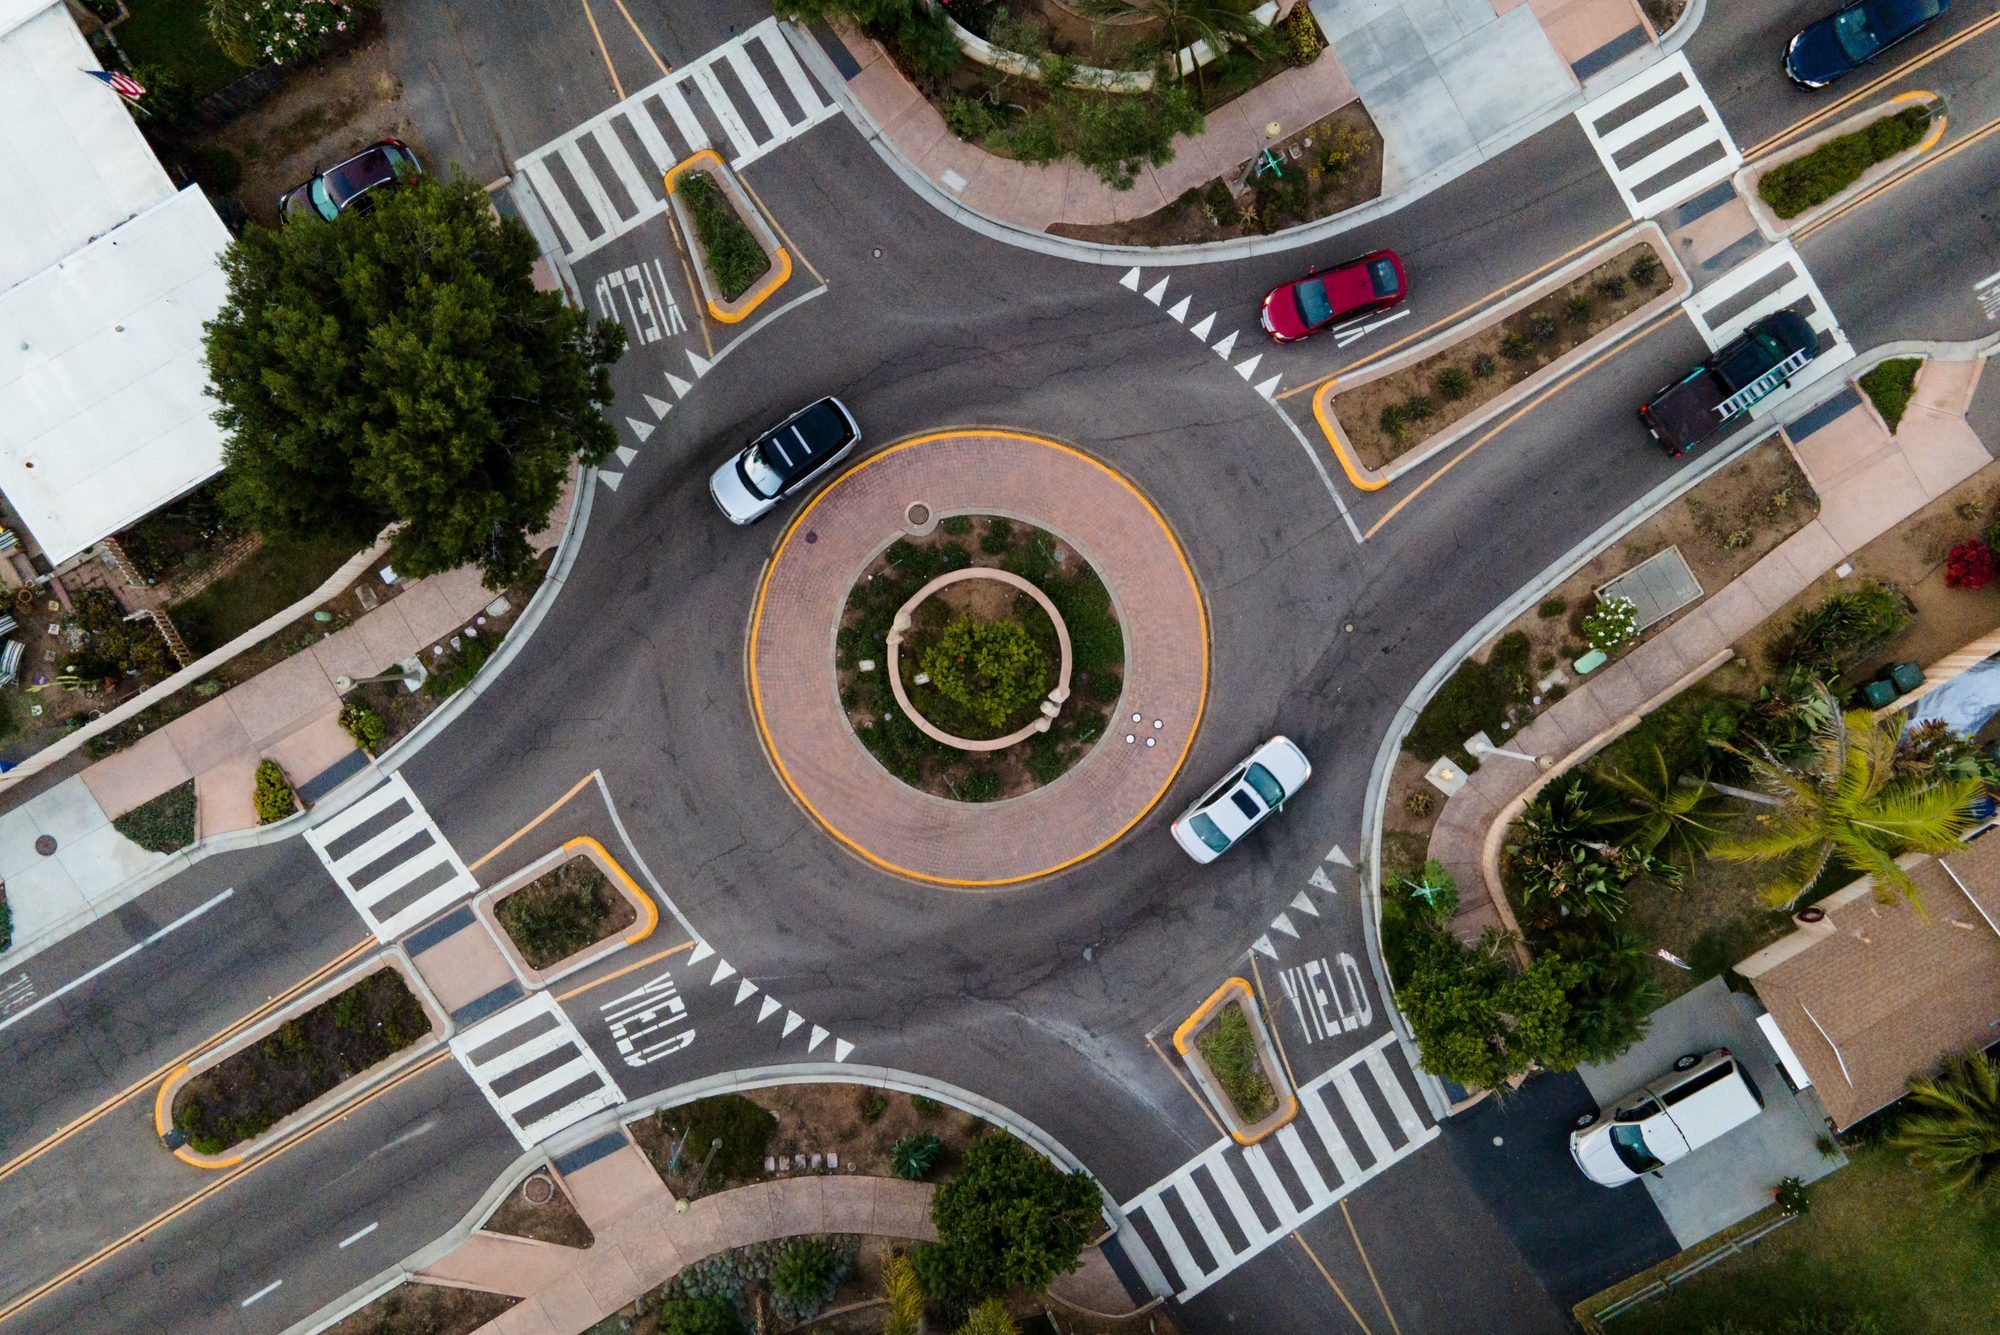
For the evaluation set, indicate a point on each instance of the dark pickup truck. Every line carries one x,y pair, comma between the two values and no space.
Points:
1767,356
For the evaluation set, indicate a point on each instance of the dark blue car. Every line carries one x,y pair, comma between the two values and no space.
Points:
1847,40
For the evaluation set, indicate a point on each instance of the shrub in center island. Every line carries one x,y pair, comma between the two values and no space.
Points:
993,669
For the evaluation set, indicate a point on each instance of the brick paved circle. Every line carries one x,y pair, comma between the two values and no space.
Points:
805,588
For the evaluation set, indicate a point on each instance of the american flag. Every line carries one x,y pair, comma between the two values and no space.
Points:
123,84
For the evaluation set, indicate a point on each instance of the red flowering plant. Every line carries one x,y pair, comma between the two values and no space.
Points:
1970,565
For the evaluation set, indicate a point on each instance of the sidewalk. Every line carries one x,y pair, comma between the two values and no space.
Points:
1868,481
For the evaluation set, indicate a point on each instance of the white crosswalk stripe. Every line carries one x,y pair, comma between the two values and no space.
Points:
1652,178
666,120
1310,1171
535,1069
1780,279
391,897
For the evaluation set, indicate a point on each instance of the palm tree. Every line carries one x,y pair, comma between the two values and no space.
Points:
1953,1124
1845,802
1220,23
1676,820
905,1315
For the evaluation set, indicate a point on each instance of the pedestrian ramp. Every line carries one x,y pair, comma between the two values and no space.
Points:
533,1066
390,860
743,99
1229,1203
1660,137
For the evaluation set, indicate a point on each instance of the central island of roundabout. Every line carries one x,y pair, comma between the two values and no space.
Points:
1045,698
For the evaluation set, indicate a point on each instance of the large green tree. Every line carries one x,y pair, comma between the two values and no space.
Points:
399,365
1010,1219
1951,1124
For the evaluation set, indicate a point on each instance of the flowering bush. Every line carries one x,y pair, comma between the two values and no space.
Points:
1615,621
281,32
1970,565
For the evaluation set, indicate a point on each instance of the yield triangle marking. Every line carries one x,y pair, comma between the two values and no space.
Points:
1303,903
702,950
792,1021
639,428
841,1047
659,406
1156,291
611,480
1245,368
700,366
1263,945
1283,923
1320,881
723,968
769,1005
1270,387
679,386
744,991
1180,310
1131,279
1202,326
1226,346
626,454
818,1037
1337,857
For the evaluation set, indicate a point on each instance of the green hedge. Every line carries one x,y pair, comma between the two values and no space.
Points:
1889,387
734,258
163,825
1793,187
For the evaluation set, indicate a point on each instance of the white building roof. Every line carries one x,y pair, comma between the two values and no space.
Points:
106,277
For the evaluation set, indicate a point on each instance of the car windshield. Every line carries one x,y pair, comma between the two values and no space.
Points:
1382,274
321,201
1208,832
1855,31
1266,784
1630,1144
759,475
1314,308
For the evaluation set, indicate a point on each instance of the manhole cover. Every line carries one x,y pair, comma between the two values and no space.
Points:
812,536
538,1190
46,845
918,513
919,520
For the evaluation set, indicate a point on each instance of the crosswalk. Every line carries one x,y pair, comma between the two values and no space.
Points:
535,1069
391,860
1770,280
1232,1201
1660,137
743,98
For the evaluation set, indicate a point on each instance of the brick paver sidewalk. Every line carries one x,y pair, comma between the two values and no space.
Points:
1089,507
1867,480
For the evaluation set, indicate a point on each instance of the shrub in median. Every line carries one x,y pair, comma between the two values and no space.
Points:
165,824
1792,187
363,724
562,911
992,668
1229,1045
729,248
1889,387
276,799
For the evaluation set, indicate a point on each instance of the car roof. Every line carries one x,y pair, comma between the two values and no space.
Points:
364,171
799,445
1349,286
1719,1104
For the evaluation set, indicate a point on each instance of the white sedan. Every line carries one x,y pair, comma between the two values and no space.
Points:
1262,784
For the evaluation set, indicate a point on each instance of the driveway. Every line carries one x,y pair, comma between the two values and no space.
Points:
1731,1178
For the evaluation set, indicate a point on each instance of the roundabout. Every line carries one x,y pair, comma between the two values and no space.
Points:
810,733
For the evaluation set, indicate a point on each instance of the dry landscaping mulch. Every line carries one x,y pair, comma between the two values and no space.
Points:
554,1220
564,910
416,1308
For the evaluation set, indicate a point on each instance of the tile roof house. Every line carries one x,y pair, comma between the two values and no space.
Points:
1871,994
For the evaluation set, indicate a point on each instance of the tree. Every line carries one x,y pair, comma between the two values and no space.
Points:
903,1297
1010,1219
1845,802
1562,864
1952,1124
1675,820
400,366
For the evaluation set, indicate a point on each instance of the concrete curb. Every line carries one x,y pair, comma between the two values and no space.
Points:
1777,229
646,914
1085,252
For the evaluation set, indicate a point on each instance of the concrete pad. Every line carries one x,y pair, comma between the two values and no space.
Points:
42,897
499,1263
312,748
1775,581
136,775
523,1318
1946,387
1618,689
849,1203
103,860
1736,609
1834,452
464,590
883,93
1871,502
1378,52
1658,664
67,811
607,1190
903,1209
281,697
571,1305
464,967
1578,27
1422,127
1472,923
1503,72
226,795
426,612
1699,637
650,1247
1579,715
799,1209
1338,18
207,736
1943,451
1714,232
1806,555
608,1277
387,636
1439,24
345,653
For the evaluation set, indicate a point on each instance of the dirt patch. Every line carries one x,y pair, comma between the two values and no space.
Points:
1336,161
567,909
1408,817
415,1308
314,121
553,1219
1388,418
859,1123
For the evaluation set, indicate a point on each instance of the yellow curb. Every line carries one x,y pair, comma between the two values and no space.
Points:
206,1162
757,618
1235,988
1354,474
780,261
652,909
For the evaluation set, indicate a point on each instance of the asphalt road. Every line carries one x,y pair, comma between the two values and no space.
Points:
637,673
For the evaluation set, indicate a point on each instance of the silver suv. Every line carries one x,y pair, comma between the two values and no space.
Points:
1703,1097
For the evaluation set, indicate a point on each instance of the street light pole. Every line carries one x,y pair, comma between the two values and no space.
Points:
1480,749
345,684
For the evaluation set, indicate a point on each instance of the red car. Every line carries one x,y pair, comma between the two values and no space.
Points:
1307,305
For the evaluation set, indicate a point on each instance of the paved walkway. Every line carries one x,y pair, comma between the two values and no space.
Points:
1868,481
1094,511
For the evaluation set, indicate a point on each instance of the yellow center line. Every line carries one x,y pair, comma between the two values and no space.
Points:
1331,1282
650,959
782,235
36,1151
1351,367
1916,165
603,50
1799,126
1380,1296
634,25
547,812
173,1212
1526,408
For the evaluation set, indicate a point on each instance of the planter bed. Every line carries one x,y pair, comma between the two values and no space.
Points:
302,1059
1791,188
562,912
416,1308
554,1219
1229,1050
166,824
729,249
